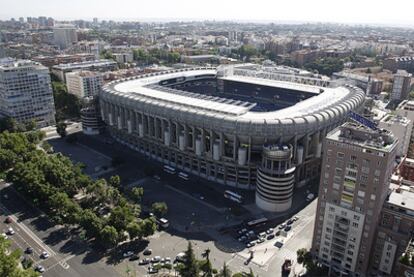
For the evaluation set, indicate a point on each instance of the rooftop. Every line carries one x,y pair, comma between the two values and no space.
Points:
403,198
85,64
360,135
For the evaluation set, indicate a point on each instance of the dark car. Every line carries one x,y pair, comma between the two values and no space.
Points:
289,222
134,257
288,228
29,250
271,236
147,252
8,220
277,233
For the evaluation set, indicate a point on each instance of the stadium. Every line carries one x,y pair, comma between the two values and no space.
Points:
234,125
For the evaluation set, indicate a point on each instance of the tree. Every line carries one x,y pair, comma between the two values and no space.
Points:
205,265
225,271
91,223
109,236
148,227
134,230
67,105
61,129
190,266
159,208
301,255
136,194
115,181
30,125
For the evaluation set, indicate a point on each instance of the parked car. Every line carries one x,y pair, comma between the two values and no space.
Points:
134,257
262,235
279,244
289,222
269,231
152,270
277,233
282,226
271,236
295,218
250,244
180,257
8,220
288,228
127,254
156,259
242,238
144,261
261,240
147,252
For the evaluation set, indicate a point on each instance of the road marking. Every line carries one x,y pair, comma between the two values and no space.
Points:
29,232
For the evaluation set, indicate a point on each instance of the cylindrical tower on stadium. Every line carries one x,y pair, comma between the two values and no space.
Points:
91,119
275,178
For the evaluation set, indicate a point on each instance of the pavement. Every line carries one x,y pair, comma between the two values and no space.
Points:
207,222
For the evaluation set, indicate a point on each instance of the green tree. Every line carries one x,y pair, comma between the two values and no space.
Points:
109,236
148,227
67,105
30,125
115,181
159,208
136,194
91,223
61,129
190,266
225,271
134,230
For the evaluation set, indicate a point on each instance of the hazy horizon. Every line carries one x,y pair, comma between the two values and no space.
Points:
261,11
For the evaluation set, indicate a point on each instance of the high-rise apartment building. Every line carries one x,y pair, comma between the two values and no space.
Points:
401,127
84,83
357,165
26,92
401,85
64,36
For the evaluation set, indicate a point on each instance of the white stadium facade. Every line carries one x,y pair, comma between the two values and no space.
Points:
244,128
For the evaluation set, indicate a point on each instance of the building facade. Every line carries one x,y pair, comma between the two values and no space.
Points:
401,127
356,168
97,65
401,85
65,36
26,92
84,83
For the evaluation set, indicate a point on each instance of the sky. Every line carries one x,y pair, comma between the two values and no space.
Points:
395,12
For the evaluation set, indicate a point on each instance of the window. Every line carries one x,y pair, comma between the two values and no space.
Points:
340,155
353,158
361,193
354,224
373,197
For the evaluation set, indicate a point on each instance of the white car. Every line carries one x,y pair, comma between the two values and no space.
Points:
44,255
10,231
310,197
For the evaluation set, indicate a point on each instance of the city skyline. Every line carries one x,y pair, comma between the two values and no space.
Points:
185,10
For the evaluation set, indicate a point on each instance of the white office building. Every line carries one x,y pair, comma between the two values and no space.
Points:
26,92
65,36
84,83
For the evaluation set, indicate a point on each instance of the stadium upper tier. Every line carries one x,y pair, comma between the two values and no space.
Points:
152,92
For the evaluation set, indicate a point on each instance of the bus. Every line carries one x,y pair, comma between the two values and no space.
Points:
169,169
257,222
183,175
233,196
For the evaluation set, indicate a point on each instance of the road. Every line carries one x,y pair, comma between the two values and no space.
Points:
67,257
